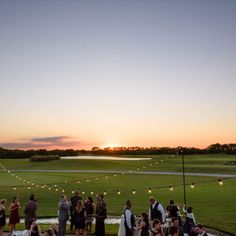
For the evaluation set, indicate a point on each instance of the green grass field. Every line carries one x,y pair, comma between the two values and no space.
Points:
213,204
212,163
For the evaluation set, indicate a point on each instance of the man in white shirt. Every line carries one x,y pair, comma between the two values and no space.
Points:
129,219
156,210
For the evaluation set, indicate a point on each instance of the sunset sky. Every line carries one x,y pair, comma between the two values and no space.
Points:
78,74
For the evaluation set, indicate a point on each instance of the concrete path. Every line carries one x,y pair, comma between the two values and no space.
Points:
131,172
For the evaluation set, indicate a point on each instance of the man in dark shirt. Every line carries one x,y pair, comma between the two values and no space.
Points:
173,211
30,211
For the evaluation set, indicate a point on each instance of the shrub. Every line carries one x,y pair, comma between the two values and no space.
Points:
45,158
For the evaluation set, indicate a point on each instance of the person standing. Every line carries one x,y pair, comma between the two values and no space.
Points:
30,211
2,215
73,203
100,216
90,210
173,211
14,214
63,215
190,221
129,219
79,218
156,210
144,224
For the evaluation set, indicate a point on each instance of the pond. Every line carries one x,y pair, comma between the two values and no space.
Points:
110,158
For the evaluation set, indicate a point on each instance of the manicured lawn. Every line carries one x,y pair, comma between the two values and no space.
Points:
213,204
211,163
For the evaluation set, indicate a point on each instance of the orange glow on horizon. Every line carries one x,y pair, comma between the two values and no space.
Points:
112,145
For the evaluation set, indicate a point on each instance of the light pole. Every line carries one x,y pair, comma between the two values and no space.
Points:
183,170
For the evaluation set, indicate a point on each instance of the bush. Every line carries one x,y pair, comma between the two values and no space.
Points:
45,158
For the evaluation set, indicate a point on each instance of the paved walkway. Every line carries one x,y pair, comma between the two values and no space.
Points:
131,172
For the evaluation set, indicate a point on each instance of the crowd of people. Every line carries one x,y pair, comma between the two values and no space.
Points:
157,221
162,222
80,214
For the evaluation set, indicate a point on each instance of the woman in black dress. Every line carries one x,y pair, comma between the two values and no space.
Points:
79,218
144,225
90,210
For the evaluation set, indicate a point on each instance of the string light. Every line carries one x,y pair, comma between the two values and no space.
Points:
149,190
66,181
192,185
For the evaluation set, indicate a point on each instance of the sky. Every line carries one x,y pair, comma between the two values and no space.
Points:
79,74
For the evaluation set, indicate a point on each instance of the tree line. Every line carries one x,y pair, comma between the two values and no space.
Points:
212,149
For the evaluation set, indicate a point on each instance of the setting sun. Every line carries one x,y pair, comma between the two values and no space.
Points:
111,145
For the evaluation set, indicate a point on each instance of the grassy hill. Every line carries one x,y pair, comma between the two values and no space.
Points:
213,204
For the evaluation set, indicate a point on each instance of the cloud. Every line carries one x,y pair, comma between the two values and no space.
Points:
54,139
44,143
